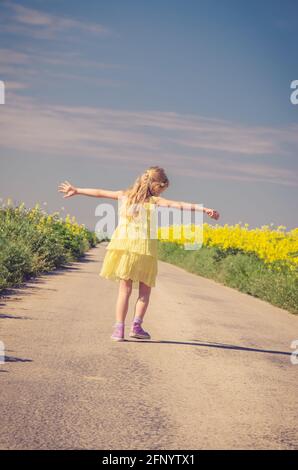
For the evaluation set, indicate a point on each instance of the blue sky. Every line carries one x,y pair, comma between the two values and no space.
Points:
98,91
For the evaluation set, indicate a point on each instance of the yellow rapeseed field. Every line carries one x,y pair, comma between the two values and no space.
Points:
268,244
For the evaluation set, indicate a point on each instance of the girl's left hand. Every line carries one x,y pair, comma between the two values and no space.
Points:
212,213
68,189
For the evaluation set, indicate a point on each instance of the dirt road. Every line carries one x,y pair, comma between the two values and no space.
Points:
217,373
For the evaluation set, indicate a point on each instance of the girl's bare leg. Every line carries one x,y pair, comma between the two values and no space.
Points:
125,288
143,300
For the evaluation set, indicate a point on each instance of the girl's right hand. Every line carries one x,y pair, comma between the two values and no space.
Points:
68,189
212,213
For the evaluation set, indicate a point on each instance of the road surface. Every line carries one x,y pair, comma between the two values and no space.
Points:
217,373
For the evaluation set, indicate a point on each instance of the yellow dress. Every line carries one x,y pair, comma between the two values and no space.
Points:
132,251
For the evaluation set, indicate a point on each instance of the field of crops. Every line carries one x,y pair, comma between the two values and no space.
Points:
275,247
261,262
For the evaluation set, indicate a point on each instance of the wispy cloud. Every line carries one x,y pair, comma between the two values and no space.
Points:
238,170
39,24
223,150
34,66
31,56
10,56
37,66
192,132
10,85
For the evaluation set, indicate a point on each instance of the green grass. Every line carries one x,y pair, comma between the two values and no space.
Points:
237,269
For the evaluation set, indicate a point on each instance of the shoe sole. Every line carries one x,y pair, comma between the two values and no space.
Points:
117,339
135,335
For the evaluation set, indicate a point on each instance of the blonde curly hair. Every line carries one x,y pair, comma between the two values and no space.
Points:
146,185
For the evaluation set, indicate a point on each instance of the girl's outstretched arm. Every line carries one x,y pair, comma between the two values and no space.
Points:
71,190
161,201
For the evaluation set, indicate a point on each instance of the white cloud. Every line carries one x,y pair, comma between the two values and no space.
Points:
118,136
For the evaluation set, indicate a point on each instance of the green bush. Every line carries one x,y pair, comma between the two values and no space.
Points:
32,242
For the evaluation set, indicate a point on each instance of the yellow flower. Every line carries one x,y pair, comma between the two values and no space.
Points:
270,245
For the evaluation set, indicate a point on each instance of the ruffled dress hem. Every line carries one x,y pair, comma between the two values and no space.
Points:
124,264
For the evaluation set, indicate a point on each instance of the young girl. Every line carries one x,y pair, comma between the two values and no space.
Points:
131,259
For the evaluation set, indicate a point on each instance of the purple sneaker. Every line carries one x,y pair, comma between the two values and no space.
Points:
138,332
118,333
